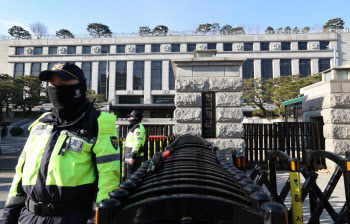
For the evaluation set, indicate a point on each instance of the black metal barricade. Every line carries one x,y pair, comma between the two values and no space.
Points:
319,200
190,182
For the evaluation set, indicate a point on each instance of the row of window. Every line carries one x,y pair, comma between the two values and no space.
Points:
265,46
121,74
285,67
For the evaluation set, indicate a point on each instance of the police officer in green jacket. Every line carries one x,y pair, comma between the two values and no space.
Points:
134,142
70,160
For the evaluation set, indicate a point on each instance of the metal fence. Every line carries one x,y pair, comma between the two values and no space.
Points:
290,137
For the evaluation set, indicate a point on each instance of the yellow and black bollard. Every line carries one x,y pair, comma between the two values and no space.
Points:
167,141
295,189
149,147
161,145
123,173
154,146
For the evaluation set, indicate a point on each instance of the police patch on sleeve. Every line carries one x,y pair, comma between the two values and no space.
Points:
114,141
138,133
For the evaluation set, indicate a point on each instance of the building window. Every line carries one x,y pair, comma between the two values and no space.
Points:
248,69
324,45
248,46
138,75
38,50
52,50
87,69
191,47
35,69
323,64
131,99
156,75
171,77
71,50
102,79
302,45
86,49
211,46
264,46
155,48
285,46
227,46
19,69
105,49
285,67
121,75
19,50
304,67
175,48
163,99
140,48
120,48
266,68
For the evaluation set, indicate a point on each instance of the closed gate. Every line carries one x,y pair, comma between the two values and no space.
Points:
293,138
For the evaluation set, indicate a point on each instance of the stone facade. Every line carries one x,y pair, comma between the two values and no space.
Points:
329,101
209,74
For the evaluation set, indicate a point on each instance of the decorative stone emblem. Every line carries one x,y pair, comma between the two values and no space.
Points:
63,50
276,46
131,49
202,47
30,51
314,45
165,91
239,47
129,92
97,49
166,48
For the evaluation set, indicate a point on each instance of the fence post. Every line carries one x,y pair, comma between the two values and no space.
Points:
271,163
149,147
124,168
295,190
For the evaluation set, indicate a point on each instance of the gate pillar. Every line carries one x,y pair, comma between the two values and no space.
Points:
208,98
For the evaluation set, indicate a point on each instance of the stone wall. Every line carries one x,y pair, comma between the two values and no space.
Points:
219,75
331,101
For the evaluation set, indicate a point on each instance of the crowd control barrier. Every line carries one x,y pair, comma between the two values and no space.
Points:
318,200
190,182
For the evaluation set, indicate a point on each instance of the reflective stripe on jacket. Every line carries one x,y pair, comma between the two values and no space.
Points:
135,140
58,165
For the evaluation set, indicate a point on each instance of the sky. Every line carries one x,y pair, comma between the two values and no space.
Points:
179,15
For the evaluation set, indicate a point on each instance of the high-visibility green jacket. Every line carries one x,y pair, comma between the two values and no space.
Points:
134,142
59,164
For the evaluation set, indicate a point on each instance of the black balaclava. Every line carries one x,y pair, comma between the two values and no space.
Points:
133,122
67,100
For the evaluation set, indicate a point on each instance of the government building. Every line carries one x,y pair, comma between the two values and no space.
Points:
136,72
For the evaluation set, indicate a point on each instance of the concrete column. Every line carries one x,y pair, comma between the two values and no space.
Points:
44,66
112,77
257,68
220,47
79,64
294,46
147,83
27,67
129,75
314,65
256,46
183,47
295,66
79,50
276,71
113,49
45,50
165,75
147,48
11,69
94,76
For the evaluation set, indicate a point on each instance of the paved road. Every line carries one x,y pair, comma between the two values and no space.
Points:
8,161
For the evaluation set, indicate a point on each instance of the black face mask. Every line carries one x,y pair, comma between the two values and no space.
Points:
67,100
133,122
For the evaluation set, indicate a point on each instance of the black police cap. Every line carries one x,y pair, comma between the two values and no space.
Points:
66,71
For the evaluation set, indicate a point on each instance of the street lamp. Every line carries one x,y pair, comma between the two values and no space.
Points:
335,54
